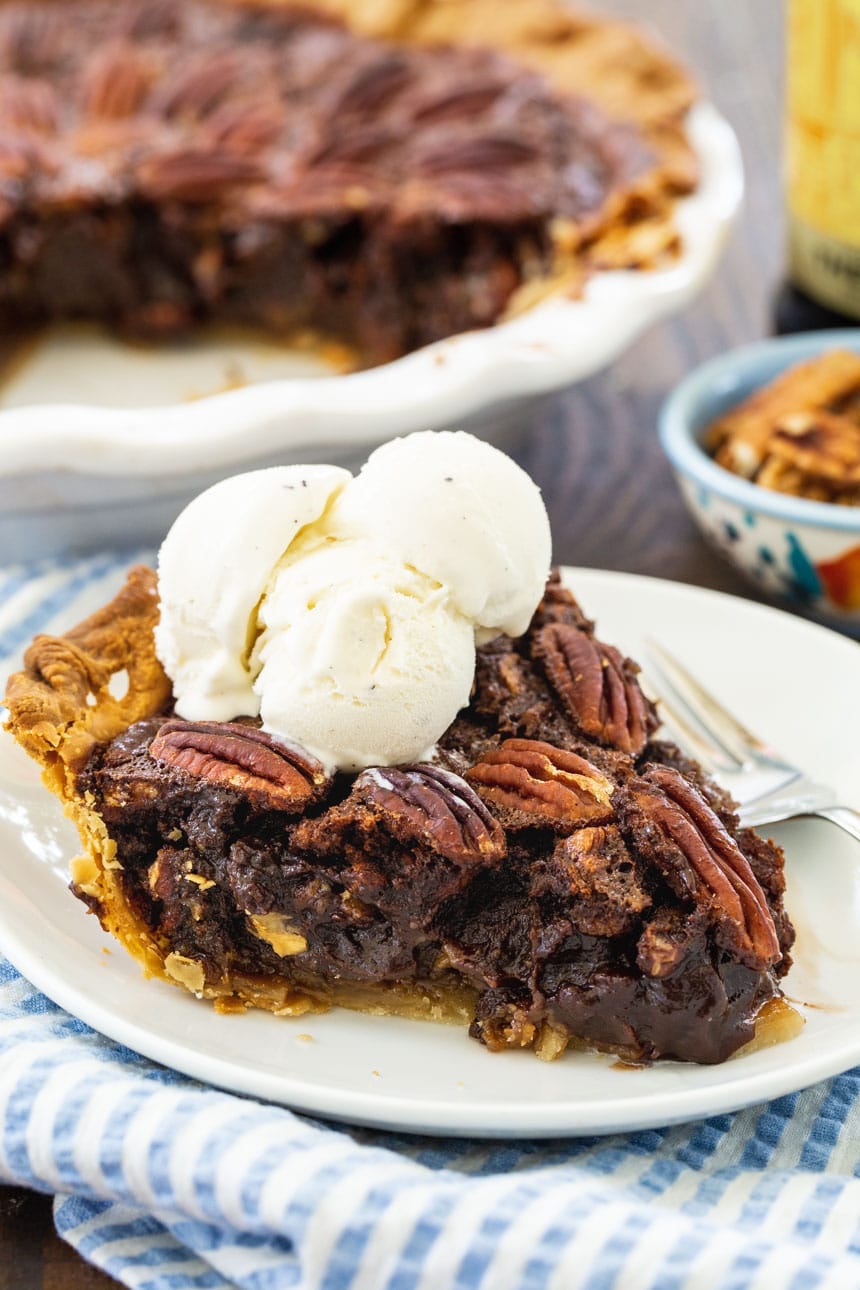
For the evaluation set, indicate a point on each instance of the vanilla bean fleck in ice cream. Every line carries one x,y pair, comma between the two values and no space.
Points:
344,611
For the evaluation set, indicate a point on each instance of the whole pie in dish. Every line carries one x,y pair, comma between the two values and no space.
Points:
553,874
375,174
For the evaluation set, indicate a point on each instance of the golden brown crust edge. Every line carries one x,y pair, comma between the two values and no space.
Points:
60,706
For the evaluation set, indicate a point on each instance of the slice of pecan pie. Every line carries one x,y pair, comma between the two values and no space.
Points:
554,874
370,173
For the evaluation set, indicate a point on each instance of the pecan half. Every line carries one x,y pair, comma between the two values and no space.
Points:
545,782
246,128
437,806
196,89
674,826
274,775
374,85
195,174
353,147
822,444
459,102
116,82
596,685
488,152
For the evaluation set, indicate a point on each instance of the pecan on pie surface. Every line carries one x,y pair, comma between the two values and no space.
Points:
554,874
375,175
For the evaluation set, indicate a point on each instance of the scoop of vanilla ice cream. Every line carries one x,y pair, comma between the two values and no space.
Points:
465,515
214,567
361,659
345,612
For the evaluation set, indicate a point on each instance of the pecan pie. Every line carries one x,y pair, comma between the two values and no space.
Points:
555,873
373,174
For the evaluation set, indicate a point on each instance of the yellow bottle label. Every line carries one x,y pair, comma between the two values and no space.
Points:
823,150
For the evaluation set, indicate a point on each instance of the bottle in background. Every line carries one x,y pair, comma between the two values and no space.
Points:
822,167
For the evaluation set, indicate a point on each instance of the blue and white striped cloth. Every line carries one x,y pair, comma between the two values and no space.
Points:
168,1185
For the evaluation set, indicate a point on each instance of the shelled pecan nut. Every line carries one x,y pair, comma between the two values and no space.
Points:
460,102
199,87
274,775
195,174
373,85
246,128
596,685
488,152
822,444
439,807
116,82
681,814
544,781
353,147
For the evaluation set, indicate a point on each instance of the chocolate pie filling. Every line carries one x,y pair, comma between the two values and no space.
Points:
165,165
555,870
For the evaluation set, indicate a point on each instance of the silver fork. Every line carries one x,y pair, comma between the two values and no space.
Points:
766,786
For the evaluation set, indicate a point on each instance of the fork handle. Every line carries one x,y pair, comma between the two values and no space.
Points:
845,817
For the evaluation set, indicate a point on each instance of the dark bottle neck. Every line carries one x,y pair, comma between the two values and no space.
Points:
794,310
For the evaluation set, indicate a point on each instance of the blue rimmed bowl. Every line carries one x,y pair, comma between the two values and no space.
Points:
803,552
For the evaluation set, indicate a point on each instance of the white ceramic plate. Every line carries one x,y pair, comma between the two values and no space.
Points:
797,683
99,438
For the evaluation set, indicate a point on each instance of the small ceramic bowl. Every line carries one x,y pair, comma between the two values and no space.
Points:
803,552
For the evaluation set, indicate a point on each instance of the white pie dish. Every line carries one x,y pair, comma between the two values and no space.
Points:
102,443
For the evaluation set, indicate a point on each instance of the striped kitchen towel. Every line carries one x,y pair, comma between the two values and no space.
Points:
169,1185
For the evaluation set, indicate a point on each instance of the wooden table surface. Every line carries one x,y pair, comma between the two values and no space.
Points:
611,498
